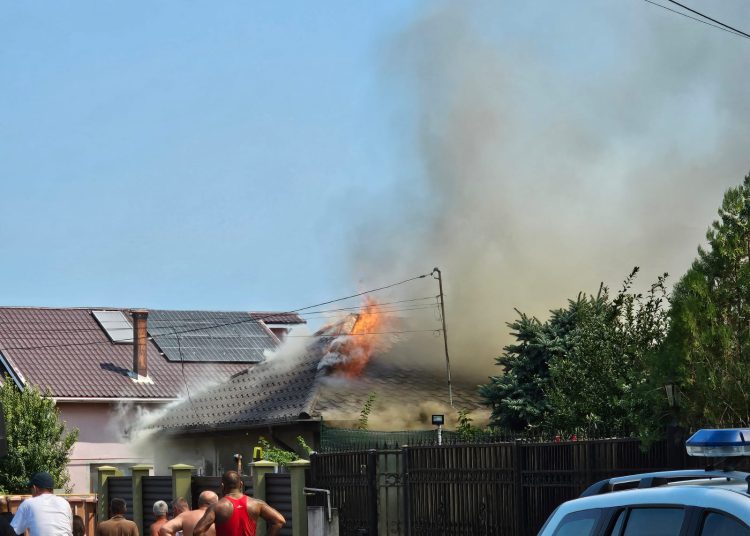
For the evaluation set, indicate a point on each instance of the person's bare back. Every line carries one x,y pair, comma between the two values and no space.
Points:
187,521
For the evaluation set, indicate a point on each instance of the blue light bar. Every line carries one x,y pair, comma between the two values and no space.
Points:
719,443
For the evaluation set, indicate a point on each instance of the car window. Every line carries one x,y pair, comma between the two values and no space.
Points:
654,522
580,523
720,525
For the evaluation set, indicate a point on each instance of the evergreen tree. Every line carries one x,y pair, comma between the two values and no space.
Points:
37,440
708,346
518,396
586,370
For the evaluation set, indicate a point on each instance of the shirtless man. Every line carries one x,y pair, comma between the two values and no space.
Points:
186,521
236,514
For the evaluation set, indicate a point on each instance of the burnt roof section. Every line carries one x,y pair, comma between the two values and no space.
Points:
343,398
66,353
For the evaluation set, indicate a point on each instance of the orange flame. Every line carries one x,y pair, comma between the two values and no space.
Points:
366,338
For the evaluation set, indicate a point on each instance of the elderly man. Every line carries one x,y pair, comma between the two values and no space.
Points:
179,505
161,509
186,521
45,514
236,514
117,525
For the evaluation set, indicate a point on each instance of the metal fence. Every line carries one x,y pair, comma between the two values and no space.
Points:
121,487
154,488
503,488
350,477
279,495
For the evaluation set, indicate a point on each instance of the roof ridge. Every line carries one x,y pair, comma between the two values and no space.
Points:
120,308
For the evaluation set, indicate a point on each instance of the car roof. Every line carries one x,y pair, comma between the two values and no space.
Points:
729,498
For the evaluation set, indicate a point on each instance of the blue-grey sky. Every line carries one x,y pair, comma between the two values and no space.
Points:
248,155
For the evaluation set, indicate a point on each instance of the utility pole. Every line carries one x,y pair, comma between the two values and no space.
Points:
445,332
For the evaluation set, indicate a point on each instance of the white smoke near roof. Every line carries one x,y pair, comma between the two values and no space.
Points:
292,348
553,145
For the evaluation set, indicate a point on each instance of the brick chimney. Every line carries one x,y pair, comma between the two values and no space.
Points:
140,342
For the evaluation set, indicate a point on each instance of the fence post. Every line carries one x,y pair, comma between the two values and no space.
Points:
518,522
105,471
260,470
589,453
299,501
182,476
405,452
139,471
372,492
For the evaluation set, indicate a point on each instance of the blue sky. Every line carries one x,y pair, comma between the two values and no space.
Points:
248,155
183,154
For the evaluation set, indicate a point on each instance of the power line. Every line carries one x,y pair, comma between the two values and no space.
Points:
709,18
168,327
720,26
252,319
351,334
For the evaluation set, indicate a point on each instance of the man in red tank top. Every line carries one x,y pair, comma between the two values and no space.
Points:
236,514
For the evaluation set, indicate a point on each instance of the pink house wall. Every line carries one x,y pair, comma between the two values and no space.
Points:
101,441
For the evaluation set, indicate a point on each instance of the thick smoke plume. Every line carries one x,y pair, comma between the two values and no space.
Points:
550,146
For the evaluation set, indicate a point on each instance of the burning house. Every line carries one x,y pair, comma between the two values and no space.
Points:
325,381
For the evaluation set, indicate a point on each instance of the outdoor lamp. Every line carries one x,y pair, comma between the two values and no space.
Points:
438,420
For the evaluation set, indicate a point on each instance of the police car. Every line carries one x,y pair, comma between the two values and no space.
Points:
669,503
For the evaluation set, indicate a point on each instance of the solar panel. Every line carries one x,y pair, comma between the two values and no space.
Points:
116,326
210,337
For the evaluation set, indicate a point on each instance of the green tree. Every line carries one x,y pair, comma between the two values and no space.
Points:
37,440
708,347
586,370
603,384
518,397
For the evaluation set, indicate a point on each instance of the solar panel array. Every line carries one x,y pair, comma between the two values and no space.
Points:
210,337
116,326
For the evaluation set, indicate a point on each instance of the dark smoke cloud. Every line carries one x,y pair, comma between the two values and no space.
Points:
553,145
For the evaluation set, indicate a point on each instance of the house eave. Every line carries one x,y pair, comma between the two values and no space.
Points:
84,399
15,376
233,427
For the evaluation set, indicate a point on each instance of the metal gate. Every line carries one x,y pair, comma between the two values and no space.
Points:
154,488
350,476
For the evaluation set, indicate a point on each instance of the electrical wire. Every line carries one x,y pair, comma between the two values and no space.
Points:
252,319
709,18
719,26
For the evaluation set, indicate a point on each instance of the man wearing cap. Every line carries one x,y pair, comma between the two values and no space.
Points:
44,514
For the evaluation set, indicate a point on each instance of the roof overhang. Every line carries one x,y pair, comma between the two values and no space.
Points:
233,427
83,400
15,376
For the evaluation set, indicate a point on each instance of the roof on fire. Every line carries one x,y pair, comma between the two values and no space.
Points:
295,389
67,353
